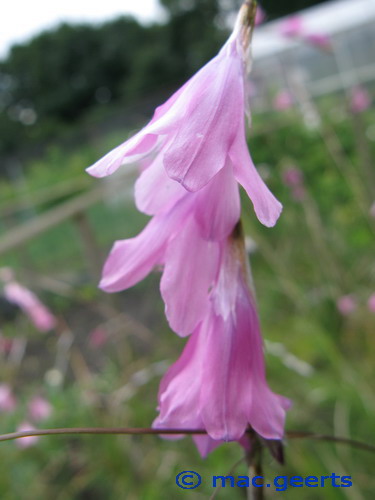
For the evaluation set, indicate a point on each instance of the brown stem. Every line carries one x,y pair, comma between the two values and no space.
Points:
150,431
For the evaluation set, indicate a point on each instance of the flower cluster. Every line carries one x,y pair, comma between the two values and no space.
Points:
193,155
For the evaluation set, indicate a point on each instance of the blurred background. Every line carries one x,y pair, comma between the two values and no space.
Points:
75,81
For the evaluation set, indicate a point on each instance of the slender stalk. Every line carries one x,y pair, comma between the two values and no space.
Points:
149,431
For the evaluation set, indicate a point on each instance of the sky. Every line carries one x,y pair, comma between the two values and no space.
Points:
21,20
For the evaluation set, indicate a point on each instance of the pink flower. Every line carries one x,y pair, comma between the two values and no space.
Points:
372,210
27,441
346,305
260,16
293,178
200,130
218,383
283,100
38,313
98,338
320,40
8,401
371,303
39,409
292,27
360,99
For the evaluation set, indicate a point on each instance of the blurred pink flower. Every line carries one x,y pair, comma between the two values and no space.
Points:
218,383
360,99
8,401
189,135
260,16
39,409
5,344
372,210
38,313
346,304
320,40
294,27
371,303
293,178
28,441
98,338
283,100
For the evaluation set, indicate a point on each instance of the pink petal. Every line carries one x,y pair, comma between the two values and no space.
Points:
266,206
179,390
190,269
214,104
133,259
217,205
137,147
132,150
155,191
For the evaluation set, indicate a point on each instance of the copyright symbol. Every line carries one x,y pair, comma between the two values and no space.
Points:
188,480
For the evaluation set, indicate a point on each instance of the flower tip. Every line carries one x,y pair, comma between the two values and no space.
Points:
95,172
270,219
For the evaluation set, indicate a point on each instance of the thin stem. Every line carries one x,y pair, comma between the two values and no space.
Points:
149,431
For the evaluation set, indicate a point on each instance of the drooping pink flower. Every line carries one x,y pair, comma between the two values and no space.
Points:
39,409
38,313
283,100
8,401
26,442
201,129
360,99
218,384
371,303
346,305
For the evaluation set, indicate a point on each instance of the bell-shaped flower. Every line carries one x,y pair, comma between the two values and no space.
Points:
201,129
218,384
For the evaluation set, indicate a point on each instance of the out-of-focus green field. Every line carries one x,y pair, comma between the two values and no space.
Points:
321,249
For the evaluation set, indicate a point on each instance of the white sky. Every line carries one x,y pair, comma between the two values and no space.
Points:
22,19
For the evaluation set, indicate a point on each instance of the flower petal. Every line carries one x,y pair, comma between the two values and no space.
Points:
218,206
203,137
154,190
266,206
190,269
